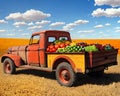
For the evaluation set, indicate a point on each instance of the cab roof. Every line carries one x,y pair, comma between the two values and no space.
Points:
50,31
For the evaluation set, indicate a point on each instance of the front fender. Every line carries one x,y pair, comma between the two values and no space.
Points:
16,59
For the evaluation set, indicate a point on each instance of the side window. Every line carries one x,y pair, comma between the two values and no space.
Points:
51,39
35,39
63,38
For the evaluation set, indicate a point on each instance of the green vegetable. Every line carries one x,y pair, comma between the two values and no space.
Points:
92,48
108,47
61,50
56,41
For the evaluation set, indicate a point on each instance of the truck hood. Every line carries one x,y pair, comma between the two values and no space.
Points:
17,49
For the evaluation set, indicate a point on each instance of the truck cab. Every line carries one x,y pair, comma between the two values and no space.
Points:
36,51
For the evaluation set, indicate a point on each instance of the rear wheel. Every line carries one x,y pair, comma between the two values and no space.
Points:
65,74
9,66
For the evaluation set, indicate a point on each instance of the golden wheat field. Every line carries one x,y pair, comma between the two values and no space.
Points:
5,43
38,83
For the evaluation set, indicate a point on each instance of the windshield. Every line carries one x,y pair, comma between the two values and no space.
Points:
34,39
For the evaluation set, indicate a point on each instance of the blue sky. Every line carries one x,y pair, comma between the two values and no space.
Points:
84,19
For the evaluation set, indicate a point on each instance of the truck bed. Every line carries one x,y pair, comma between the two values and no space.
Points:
86,60
95,59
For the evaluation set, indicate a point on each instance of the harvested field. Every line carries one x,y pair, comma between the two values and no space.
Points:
38,83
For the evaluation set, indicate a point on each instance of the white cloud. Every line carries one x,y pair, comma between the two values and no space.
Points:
57,24
117,31
34,27
70,26
118,21
110,12
117,28
30,24
98,26
78,22
43,22
3,21
86,31
18,24
107,24
29,15
3,31
113,3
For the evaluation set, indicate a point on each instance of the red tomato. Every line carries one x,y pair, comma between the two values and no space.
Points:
53,50
67,44
50,50
51,46
62,45
57,46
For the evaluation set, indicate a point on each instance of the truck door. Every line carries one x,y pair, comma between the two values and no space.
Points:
33,51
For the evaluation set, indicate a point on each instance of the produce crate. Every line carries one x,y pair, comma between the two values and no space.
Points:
101,58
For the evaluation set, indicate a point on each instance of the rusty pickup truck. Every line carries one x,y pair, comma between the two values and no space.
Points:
65,65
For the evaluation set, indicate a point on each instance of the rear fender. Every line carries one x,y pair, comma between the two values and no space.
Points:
63,59
16,59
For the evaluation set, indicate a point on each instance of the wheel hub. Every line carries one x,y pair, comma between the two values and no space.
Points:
7,68
65,76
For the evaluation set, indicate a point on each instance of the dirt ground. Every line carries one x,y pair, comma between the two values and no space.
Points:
39,83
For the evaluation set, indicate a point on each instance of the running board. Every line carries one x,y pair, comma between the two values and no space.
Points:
36,68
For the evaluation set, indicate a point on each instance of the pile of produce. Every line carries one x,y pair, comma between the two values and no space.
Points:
57,44
64,46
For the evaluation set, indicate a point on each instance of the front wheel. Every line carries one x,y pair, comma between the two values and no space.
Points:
65,74
9,66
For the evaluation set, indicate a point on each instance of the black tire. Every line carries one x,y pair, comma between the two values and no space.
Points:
65,74
9,66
